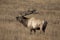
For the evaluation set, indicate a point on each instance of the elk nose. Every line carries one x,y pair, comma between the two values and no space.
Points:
17,18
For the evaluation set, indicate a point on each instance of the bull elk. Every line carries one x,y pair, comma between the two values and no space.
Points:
32,23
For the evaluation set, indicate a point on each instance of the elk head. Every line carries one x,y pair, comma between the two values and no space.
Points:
22,19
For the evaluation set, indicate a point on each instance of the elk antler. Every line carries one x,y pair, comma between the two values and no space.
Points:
28,12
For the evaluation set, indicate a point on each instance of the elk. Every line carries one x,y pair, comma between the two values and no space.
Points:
32,23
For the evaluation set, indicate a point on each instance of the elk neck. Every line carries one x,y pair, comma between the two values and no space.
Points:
24,21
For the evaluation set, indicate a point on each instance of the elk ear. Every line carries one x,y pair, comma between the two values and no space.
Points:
24,17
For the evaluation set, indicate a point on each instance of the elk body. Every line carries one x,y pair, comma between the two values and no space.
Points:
32,23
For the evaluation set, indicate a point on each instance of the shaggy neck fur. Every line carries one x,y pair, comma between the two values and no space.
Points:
24,21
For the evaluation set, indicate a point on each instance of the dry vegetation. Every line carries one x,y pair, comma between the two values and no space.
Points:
10,29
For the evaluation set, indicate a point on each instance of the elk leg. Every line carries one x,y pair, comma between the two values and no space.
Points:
30,31
41,29
34,30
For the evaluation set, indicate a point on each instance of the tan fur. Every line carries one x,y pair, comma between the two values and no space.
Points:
35,23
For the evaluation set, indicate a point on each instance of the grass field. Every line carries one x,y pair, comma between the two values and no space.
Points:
11,29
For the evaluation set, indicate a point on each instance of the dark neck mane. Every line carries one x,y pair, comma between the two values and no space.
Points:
24,21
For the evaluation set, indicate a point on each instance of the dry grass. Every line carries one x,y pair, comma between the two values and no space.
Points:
10,29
